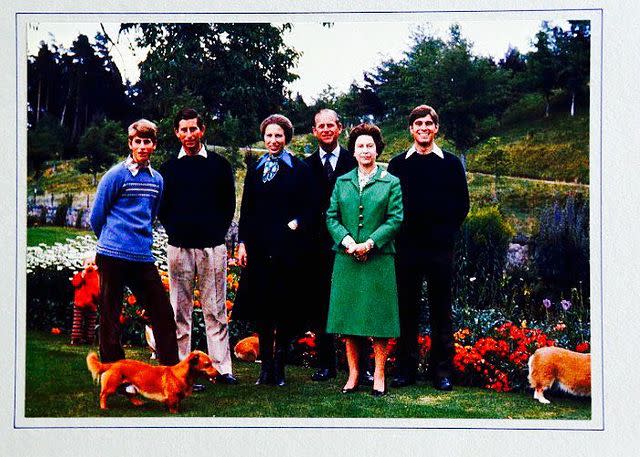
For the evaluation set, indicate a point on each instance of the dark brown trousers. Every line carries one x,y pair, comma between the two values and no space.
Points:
145,283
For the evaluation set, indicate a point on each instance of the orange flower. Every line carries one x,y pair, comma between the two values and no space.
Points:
131,299
55,331
228,304
196,293
197,304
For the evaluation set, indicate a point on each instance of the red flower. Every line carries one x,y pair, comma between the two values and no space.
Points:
55,331
131,299
583,347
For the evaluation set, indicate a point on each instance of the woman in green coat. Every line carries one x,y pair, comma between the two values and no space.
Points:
363,218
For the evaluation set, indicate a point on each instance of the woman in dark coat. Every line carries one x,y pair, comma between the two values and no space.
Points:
274,219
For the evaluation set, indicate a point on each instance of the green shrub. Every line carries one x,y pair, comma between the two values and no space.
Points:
49,299
530,106
481,256
60,218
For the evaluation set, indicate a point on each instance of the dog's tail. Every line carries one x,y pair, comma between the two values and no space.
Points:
95,366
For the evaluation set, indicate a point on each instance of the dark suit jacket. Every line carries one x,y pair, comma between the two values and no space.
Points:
322,189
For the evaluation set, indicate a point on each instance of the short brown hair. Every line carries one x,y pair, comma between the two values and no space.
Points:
144,129
422,111
366,129
280,120
186,114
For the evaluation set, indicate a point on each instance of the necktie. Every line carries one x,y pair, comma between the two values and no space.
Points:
271,167
328,170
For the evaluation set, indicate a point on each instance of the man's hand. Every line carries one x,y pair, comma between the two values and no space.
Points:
242,255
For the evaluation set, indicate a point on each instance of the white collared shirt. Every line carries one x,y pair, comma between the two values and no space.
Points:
202,152
333,160
135,167
436,150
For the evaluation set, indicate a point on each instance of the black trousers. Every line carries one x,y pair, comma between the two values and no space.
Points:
272,337
145,283
437,269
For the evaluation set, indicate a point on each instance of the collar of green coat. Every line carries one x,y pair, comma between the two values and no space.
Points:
381,175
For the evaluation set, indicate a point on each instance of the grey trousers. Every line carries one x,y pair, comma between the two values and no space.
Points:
210,264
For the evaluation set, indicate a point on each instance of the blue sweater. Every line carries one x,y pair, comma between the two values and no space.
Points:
123,212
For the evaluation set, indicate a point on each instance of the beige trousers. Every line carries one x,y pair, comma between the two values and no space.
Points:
210,264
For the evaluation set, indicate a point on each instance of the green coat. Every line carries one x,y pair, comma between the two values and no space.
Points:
364,298
375,214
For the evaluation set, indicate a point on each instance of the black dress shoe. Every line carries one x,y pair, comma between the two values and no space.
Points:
443,383
266,378
323,374
379,393
226,378
403,381
197,388
350,390
366,379
280,381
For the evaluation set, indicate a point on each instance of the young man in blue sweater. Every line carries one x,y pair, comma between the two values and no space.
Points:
125,206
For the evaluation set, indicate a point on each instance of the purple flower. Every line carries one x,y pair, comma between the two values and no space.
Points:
547,303
566,304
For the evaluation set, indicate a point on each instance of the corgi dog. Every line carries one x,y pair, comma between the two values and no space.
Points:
571,370
247,349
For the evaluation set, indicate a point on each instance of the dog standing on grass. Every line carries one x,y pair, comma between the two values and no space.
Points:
571,370
167,384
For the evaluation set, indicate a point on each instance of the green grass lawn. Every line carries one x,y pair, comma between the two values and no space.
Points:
58,384
50,235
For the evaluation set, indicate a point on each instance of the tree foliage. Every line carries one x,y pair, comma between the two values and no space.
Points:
101,144
238,70
76,86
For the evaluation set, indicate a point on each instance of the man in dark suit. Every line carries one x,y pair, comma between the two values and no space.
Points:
436,202
328,162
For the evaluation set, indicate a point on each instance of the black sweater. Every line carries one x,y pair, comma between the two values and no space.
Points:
435,199
198,201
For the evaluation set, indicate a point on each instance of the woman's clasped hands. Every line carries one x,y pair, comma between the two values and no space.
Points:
359,250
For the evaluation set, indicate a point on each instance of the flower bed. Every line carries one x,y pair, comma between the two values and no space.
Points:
491,350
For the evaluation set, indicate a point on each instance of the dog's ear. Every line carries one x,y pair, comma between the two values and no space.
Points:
194,359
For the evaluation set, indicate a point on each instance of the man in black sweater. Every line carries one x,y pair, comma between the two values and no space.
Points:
436,202
197,207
